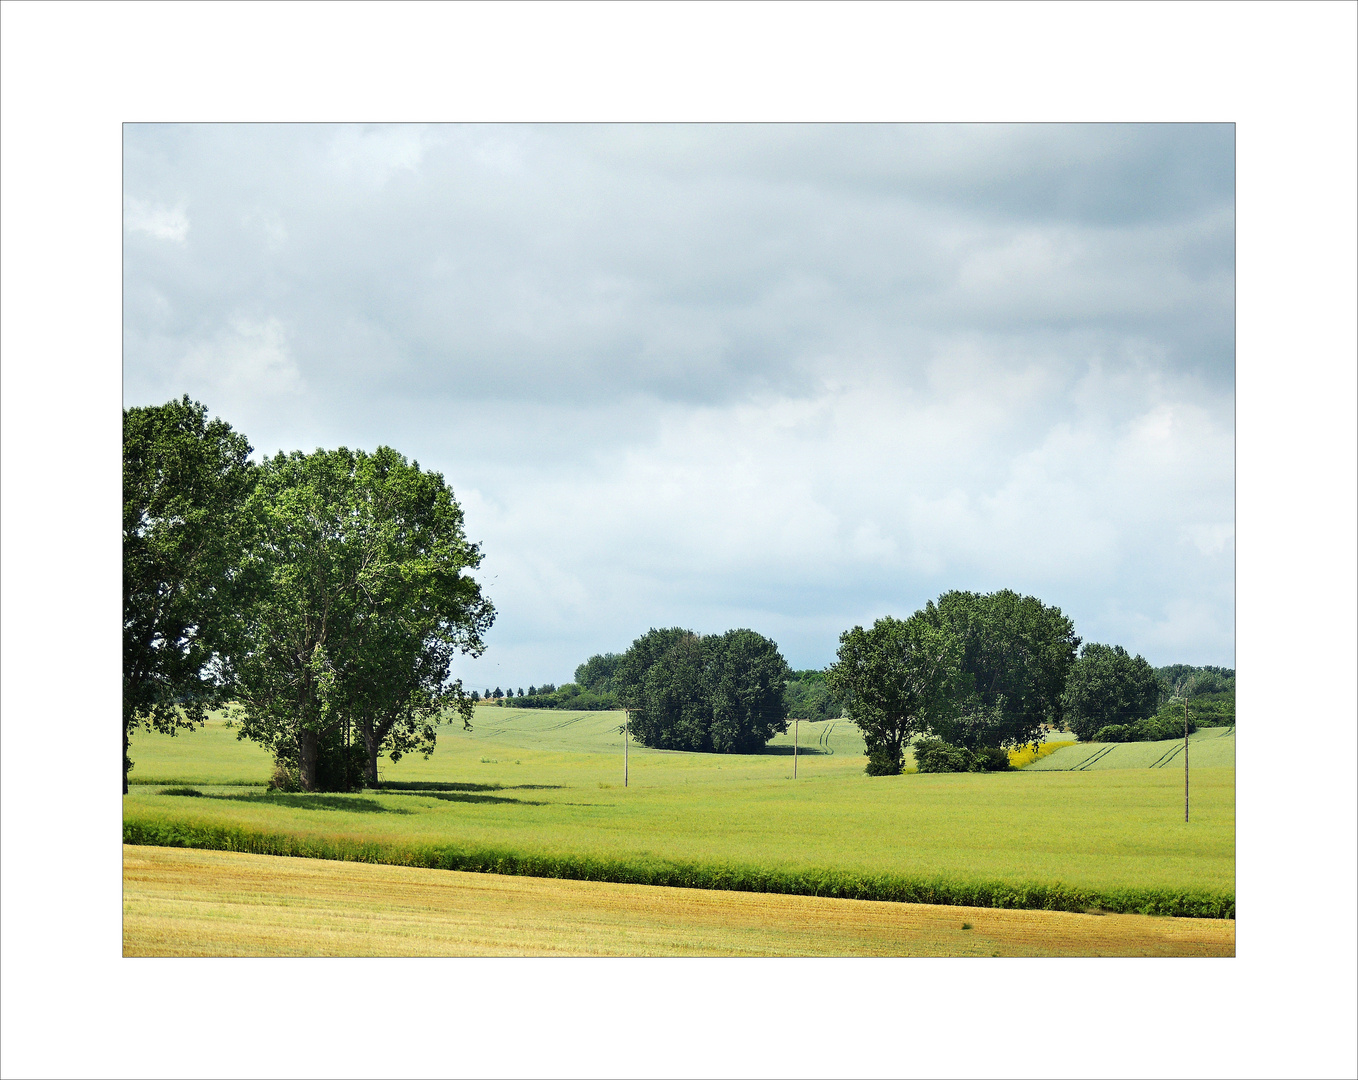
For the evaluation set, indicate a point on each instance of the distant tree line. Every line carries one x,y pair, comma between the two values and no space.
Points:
323,595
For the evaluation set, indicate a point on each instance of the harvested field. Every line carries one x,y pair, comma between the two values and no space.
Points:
209,903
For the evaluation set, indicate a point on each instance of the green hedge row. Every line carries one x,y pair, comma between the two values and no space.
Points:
839,883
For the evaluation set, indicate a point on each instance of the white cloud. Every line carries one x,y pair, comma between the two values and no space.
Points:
161,222
248,358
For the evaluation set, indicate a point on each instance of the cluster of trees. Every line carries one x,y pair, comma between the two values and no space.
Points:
1114,697
975,671
1196,683
721,693
809,697
971,676
324,595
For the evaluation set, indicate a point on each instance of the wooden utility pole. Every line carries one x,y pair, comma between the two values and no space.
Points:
1185,758
795,727
626,737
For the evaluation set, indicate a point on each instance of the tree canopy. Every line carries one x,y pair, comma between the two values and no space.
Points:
899,679
719,693
357,602
184,478
1107,686
1018,653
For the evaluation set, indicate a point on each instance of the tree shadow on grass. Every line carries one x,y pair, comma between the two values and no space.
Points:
422,786
461,796
786,751
346,803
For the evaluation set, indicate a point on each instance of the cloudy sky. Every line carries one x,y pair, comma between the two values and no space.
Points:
786,377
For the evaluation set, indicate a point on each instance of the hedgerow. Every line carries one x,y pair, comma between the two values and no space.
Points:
641,871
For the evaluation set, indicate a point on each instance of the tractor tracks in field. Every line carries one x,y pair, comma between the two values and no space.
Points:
1097,755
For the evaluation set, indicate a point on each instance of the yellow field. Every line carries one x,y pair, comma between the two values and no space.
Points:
208,903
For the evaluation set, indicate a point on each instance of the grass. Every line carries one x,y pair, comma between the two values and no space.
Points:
207,903
541,792
1208,748
208,755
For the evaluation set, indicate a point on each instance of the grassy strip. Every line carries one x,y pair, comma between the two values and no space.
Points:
815,882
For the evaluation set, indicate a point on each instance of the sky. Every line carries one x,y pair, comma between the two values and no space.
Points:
785,377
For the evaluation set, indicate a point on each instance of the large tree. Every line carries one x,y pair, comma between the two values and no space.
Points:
359,601
899,679
717,693
184,479
1108,686
1018,653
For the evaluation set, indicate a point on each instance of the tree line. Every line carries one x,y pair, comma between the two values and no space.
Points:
323,595
962,681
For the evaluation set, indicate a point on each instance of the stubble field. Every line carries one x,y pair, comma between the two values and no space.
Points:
212,903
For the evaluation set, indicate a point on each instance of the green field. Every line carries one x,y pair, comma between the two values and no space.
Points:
1208,748
548,784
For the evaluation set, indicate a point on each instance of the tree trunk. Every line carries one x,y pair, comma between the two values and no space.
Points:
127,762
308,754
372,745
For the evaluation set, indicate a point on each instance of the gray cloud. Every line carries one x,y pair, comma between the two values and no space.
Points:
784,376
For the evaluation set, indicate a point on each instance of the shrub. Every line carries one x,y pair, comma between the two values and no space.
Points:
989,759
882,762
283,779
935,755
1165,725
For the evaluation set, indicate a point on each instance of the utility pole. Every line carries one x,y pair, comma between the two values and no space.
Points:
1185,757
796,722
626,738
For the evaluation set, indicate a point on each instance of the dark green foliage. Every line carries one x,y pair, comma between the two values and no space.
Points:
935,755
184,477
1017,653
1168,723
354,602
719,693
193,792
990,759
643,870
1215,710
883,762
567,696
1108,687
809,697
596,673
1185,680
898,680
